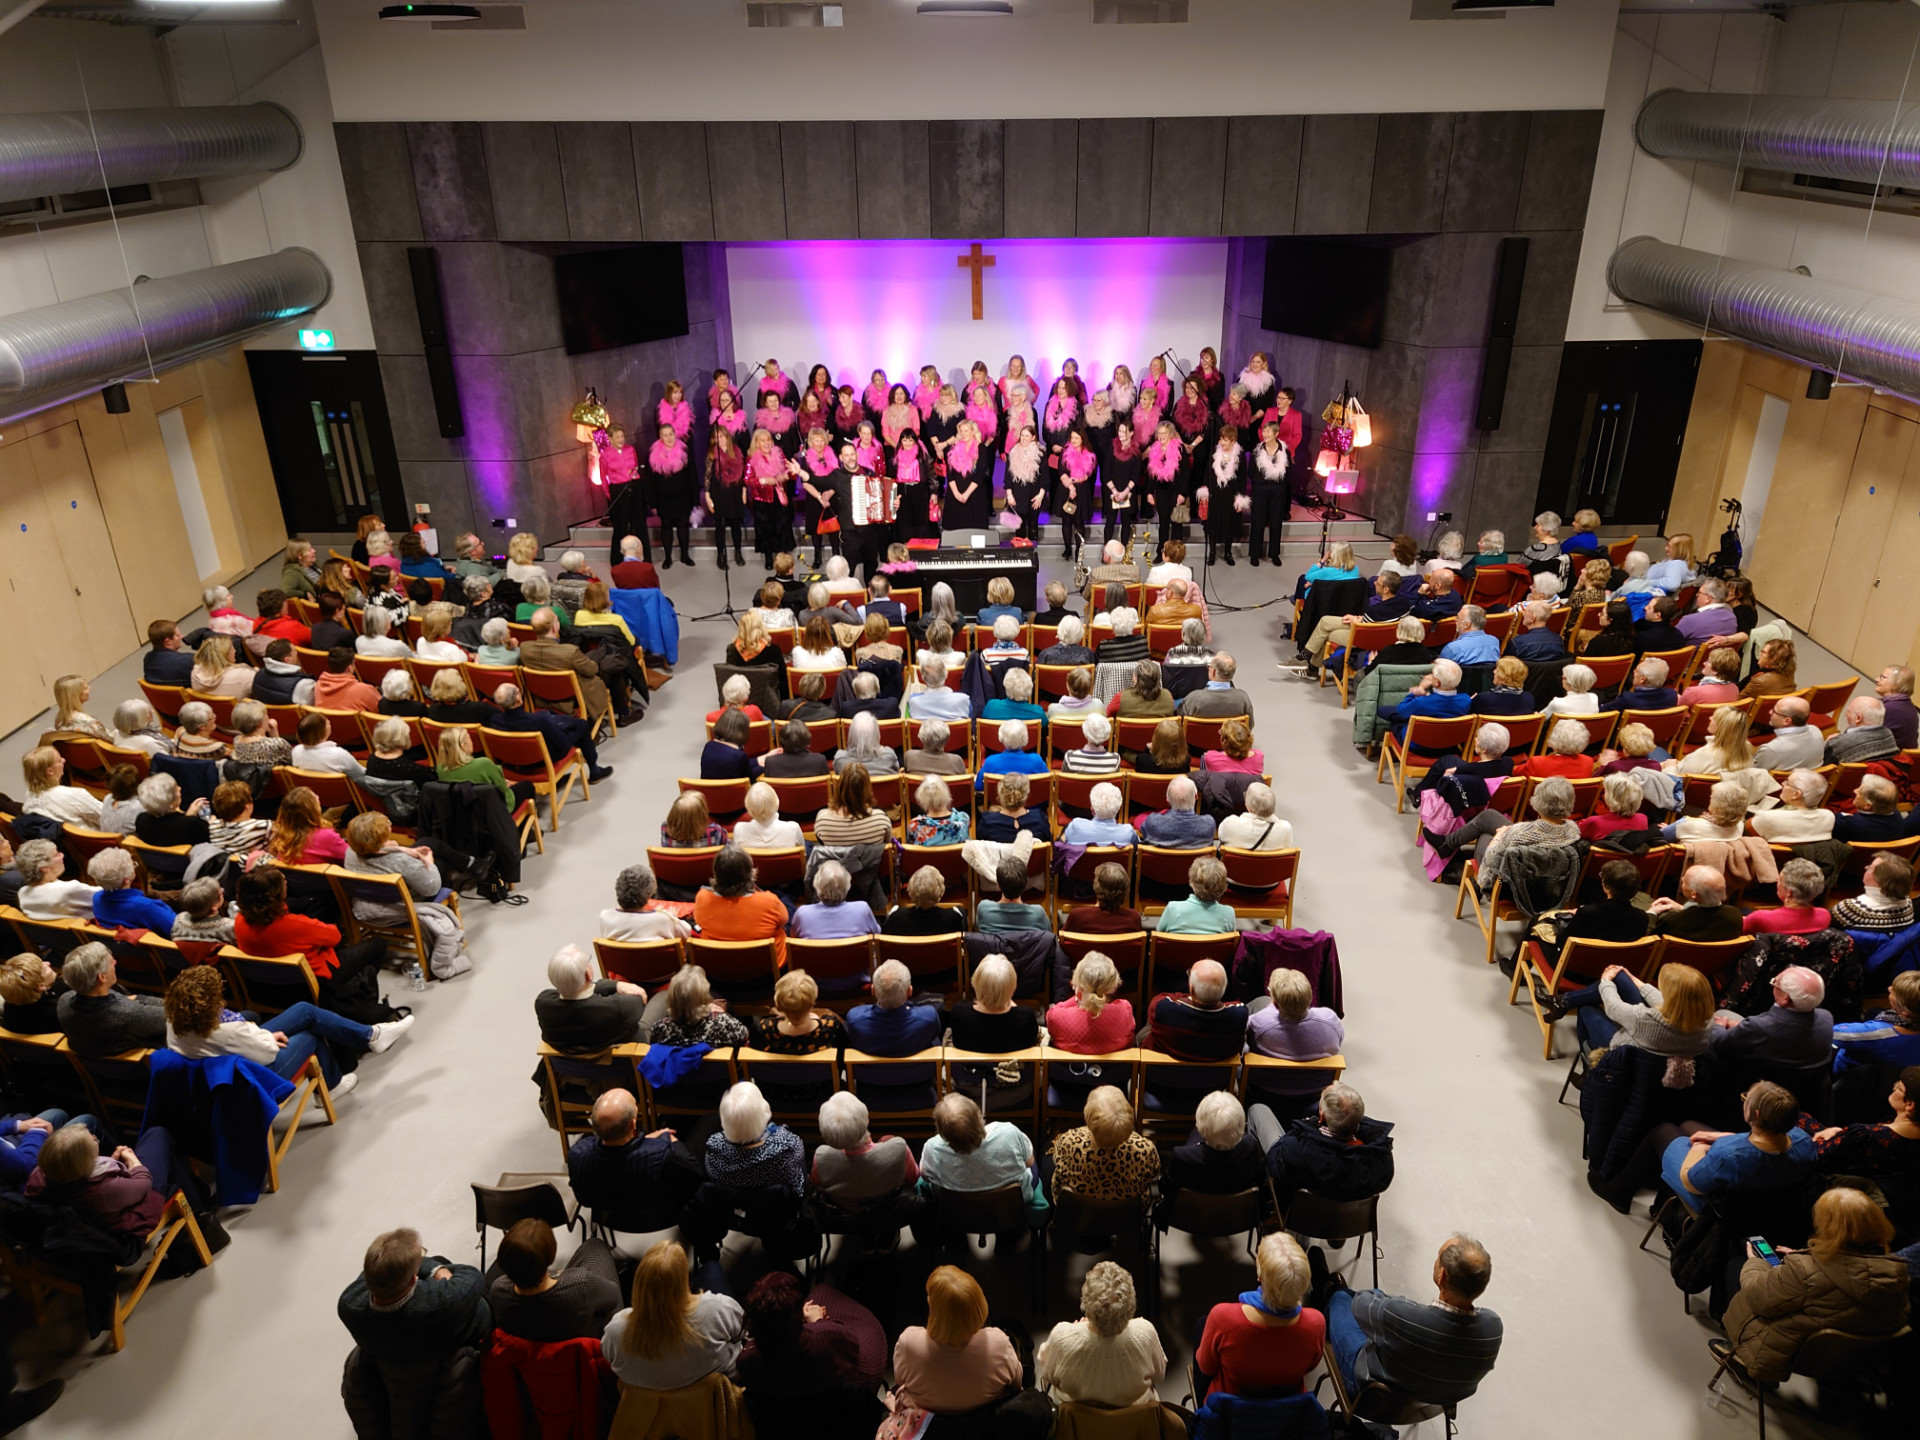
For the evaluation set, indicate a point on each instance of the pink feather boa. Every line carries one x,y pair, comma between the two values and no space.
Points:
874,397
820,462
1060,411
925,397
1255,383
732,421
1163,460
985,416
679,415
847,417
961,456
1162,387
906,465
1023,461
1077,463
1122,396
868,454
665,459
1226,465
1019,418
896,421
1146,417
779,422
767,475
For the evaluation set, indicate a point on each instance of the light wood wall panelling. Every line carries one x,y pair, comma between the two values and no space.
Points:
96,579
203,441
135,484
1860,532
246,472
37,585
1890,628
1698,483
1791,553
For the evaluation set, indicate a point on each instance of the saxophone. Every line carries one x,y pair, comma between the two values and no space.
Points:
1082,572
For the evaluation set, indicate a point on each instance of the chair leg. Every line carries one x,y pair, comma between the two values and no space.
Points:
1574,1067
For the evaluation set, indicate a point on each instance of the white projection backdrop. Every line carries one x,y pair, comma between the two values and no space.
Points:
857,305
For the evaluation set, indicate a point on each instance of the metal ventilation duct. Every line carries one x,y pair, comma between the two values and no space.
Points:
55,153
1840,139
1831,327
58,352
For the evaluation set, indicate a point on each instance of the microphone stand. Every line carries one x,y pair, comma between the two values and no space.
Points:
726,611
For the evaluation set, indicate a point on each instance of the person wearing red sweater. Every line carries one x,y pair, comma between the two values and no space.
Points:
265,926
1266,1341
1801,884
275,623
1092,1022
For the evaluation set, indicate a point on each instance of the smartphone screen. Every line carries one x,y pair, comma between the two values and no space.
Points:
1765,1251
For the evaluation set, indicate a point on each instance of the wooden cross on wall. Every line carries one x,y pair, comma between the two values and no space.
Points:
976,262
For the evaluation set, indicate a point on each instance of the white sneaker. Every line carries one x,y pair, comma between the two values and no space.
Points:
347,1082
384,1035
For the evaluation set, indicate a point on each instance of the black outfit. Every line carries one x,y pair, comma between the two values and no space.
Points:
174,828
976,511
673,495
1306,1159
782,766
911,920
465,712
438,1318
579,1303
726,493
1500,701
401,769
406,709
1223,520
1658,638
1120,473
581,1027
327,634
1403,652
913,522
1018,1029
721,761
1196,1165
1169,493
168,667
1272,505
1003,829
865,546
42,1017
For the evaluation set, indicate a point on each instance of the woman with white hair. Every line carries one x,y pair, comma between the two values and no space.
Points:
1104,826
117,904
839,577
1109,1357
852,1170
1193,648
377,640
1637,568
929,755
194,738
1725,817
497,645
1266,1342
222,618
1093,755
1225,1154
750,1152
796,1028
1800,818
163,822
1578,682
763,829
1069,644
578,1014
1007,632
1553,825
1619,812
570,585
1256,827
1013,757
1124,645
1452,556
1566,753
831,917
937,823
922,913
863,747
1016,701
43,894
136,727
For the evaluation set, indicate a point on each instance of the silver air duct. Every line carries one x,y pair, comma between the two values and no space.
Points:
62,152
1839,139
58,352
1870,337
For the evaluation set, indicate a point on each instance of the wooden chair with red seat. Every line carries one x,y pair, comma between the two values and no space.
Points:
1162,638
286,720
909,599
1700,728
889,795
1587,794
222,707
1073,793
1618,550
523,755
1041,637
85,767
1363,640
1039,790
374,668
801,800
1488,910
1523,732
1050,681
1064,733
1127,951
1166,868
1557,619
936,962
1697,790
741,972
483,680
1609,671
1145,794
82,845
1579,964
1590,621
1599,728
1830,701
1676,661
561,690
413,629
760,737
785,639
165,699
828,678
1712,958
1502,626
1134,732
313,662
1399,761
1853,875
331,788
688,868
1203,731
343,728
726,799
1260,883
371,802
1443,631
1666,724
957,875
893,733
1174,955
1496,584
841,968
824,737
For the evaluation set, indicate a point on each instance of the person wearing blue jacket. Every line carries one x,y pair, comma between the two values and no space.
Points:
117,905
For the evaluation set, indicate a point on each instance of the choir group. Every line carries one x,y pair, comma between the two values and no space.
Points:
857,470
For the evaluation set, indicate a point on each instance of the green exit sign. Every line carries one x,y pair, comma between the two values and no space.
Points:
316,339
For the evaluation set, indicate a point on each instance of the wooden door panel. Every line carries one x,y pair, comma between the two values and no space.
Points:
55,642
93,572
1867,513
1890,628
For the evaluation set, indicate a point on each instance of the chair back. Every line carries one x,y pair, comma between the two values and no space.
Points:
981,1212
1599,729
955,873
1050,681
724,797
1829,1355
329,787
801,800
1146,793
1128,952
778,869
1039,789
838,967
483,680
647,963
1609,671
760,737
1158,865
165,699
1335,1221
1823,699
1215,1216
1175,955
1666,724
313,662
375,668
166,863
1064,733
688,868
1162,637
574,1082
269,983
936,962
1135,732
1073,792
82,845
1081,1215
824,736
1712,958
85,768
1260,882
116,1086
1587,794
553,689
1203,732
520,754
1582,961
1435,733
1502,626
734,963
501,1207
1505,796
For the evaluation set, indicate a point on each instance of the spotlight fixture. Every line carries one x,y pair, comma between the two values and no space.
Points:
1819,384
115,396
422,14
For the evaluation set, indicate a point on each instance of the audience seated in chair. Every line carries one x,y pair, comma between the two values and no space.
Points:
1434,1354
811,1347
199,1025
407,1306
1110,1357
1338,1152
734,908
671,1336
1092,1022
1010,912
1201,913
580,1015
1266,1342
795,1027
634,916
532,1303
930,757
1003,822
922,914
893,1024
763,829
1226,1152
968,1154
1801,883
1178,827
98,1019
831,916
123,1192
1886,904
1793,1031
693,1016
956,1362
1105,1159
629,1180
117,904
1199,1025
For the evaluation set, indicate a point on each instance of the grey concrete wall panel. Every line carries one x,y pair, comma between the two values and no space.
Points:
389,286
416,434
1484,174
523,169
1504,489
1336,174
890,161
1547,295
670,171
816,161
499,300
1041,167
1532,379
596,164
378,173
1189,176
444,485
1115,176
743,166
1410,173
1462,304
1262,174
966,164
450,180
1561,146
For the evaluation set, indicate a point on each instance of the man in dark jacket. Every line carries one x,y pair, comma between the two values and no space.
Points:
1656,632
1339,1154
624,1175
580,1015
167,661
279,676
407,1306
867,699
1701,912
99,1020
328,632
1650,689
563,732
1223,1155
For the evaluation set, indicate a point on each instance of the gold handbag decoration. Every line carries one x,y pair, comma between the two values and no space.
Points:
588,416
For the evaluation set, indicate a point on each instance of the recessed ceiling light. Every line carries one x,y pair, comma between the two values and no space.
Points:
423,13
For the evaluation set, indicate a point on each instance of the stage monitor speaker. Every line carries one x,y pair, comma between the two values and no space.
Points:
1509,274
424,264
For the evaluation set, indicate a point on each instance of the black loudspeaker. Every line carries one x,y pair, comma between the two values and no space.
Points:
1510,272
425,267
